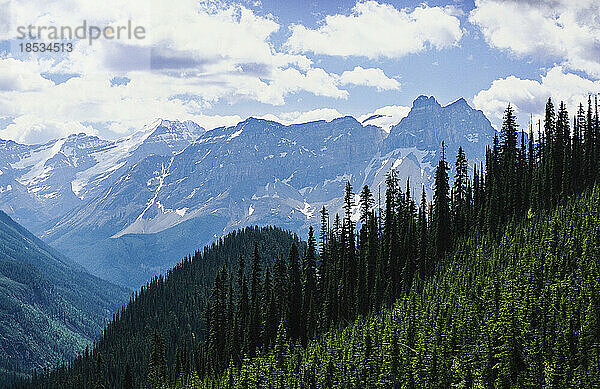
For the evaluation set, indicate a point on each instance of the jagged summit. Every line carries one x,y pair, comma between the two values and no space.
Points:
428,124
425,101
461,102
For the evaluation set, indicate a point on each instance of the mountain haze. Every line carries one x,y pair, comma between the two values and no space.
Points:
172,187
51,309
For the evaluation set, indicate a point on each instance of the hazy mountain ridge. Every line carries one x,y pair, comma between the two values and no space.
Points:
256,172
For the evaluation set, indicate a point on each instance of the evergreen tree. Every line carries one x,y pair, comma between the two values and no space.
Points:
459,193
309,288
366,203
281,289
127,377
100,382
294,301
509,152
348,206
157,365
242,312
271,315
424,266
255,308
441,208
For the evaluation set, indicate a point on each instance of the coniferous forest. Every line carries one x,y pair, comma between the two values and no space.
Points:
494,283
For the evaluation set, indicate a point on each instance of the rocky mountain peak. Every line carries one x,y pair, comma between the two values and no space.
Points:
425,102
461,102
428,124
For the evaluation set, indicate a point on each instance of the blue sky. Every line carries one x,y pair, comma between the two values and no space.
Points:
219,62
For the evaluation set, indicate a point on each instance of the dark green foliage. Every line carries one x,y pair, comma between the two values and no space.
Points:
294,300
484,287
127,377
157,366
441,208
254,332
310,297
50,308
459,194
175,306
522,311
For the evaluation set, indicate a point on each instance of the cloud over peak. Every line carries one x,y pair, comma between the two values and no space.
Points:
564,30
375,30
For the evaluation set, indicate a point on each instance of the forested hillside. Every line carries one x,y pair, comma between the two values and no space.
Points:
50,308
173,305
523,311
494,283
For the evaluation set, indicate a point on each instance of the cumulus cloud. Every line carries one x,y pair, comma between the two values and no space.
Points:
43,110
30,129
194,56
22,76
530,96
295,117
372,77
385,117
375,30
565,30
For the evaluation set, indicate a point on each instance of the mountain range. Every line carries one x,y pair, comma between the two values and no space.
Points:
130,208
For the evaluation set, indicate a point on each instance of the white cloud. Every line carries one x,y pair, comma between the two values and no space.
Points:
30,129
557,29
377,30
372,77
21,76
385,117
295,117
530,96
196,55
43,110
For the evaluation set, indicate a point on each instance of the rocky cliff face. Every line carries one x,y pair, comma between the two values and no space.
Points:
429,123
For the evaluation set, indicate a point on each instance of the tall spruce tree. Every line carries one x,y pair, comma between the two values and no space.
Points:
441,207
255,306
459,193
509,153
294,301
366,203
310,308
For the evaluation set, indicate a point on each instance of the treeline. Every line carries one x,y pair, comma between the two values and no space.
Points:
519,311
361,271
398,252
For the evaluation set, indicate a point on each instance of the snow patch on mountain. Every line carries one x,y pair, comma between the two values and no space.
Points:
36,161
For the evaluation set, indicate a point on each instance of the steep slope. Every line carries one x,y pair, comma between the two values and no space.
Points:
50,308
175,304
523,312
519,310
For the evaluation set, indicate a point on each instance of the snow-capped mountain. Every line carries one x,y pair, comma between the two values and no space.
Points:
133,207
50,179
